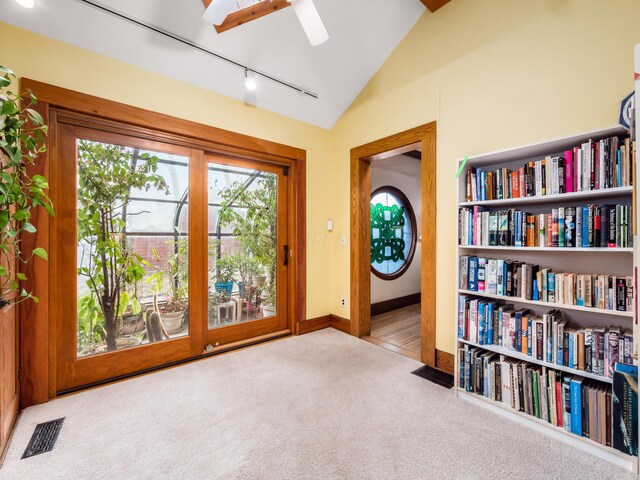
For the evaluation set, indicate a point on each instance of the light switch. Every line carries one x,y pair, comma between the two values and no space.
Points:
330,225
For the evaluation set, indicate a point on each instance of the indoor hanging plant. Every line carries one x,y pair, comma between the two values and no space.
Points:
22,140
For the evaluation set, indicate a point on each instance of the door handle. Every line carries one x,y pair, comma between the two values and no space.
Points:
286,255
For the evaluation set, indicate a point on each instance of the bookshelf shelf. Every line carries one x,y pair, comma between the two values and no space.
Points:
549,304
521,356
549,249
614,456
557,198
615,262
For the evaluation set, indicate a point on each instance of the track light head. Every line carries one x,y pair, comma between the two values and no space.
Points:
250,80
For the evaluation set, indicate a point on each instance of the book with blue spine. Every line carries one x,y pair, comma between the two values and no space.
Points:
490,310
619,167
462,301
518,315
585,226
571,347
473,274
518,232
576,405
482,323
529,337
551,287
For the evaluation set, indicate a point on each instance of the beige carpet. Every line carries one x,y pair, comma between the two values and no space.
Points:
319,406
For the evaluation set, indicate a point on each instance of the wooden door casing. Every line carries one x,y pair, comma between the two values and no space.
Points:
9,384
63,108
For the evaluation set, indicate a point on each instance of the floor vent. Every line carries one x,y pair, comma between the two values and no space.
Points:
44,438
436,376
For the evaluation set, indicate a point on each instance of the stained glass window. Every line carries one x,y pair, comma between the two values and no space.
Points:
392,233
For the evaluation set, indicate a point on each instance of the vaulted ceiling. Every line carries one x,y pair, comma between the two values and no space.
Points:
362,34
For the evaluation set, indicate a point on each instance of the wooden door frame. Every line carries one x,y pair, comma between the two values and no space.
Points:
38,333
423,136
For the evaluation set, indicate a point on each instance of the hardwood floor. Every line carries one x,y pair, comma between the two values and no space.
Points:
398,331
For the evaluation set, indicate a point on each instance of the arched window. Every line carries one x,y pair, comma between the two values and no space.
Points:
393,233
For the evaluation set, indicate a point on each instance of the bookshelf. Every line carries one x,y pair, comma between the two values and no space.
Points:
580,260
548,305
550,249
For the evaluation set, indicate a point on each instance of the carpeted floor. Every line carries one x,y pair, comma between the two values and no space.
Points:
320,406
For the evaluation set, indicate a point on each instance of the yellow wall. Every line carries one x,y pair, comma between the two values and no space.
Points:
61,64
493,74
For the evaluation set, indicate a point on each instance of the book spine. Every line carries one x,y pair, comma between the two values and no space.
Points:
568,171
576,408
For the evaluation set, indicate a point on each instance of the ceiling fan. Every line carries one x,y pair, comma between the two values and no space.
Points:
218,10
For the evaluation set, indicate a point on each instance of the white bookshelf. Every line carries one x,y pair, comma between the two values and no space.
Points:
549,249
560,198
548,305
614,261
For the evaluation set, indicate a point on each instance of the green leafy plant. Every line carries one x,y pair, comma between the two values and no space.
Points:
247,266
175,276
251,214
106,176
22,140
90,322
225,268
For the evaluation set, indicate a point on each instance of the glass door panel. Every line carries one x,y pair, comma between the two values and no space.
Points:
246,248
242,244
132,250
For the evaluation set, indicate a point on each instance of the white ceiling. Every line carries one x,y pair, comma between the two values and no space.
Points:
362,34
402,164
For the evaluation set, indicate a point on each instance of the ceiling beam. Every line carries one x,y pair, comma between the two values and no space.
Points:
434,5
248,14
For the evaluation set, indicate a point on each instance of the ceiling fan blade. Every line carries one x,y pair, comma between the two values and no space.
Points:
311,22
218,10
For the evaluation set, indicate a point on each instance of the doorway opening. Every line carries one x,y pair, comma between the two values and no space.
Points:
396,212
394,246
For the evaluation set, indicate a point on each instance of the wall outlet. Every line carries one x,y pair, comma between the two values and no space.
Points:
343,302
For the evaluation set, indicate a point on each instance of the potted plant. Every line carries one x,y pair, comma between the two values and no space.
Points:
22,140
251,214
225,269
215,298
174,277
106,176
131,320
248,267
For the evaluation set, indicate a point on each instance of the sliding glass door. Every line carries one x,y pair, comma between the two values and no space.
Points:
247,252
165,253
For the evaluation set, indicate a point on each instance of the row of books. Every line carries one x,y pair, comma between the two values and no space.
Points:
547,337
511,278
585,226
585,408
594,165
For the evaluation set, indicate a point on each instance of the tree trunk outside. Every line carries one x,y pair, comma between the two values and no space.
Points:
110,325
